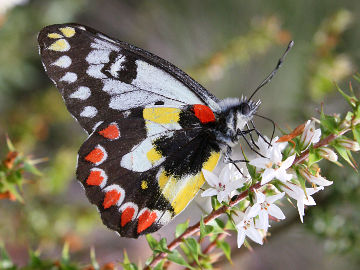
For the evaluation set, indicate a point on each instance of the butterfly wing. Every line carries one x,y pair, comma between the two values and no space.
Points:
99,76
142,168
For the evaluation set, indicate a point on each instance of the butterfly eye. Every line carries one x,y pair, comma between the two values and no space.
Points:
245,108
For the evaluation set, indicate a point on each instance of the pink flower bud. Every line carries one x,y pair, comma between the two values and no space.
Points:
328,154
315,179
310,134
349,144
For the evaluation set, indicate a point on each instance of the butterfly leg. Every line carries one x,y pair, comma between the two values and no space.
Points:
228,159
249,144
249,130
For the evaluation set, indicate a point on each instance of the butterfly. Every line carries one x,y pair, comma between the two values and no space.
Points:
152,128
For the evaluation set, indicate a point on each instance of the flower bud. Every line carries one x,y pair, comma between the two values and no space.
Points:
310,134
328,154
349,144
315,179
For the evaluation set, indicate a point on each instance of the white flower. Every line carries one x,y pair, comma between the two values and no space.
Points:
273,166
223,185
317,180
265,148
299,195
265,206
246,227
310,134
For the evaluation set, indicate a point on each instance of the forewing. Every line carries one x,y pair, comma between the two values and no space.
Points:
98,75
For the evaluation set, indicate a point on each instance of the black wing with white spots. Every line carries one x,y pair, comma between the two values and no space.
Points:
98,75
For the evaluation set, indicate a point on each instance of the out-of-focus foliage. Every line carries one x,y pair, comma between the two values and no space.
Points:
64,263
328,66
12,170
227,45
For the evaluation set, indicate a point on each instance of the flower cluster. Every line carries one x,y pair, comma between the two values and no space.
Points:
274,168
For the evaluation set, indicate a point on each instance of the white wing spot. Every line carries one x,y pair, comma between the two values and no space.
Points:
98,57
165,218
89,111
69,77
82,93
126,113
117,66
63,62
94,71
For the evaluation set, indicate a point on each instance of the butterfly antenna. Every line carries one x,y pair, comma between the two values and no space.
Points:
272,74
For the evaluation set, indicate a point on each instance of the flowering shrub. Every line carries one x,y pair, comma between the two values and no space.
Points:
247,194
285,167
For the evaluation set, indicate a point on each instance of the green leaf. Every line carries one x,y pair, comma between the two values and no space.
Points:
163,246
176,257
30,168
344,154
220,223
313,156
328,123
194,247
225,247
204,229
153,243
127,265
215,203
181,228
356,132
352,100
159,266
251,170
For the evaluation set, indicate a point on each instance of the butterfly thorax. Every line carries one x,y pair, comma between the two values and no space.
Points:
234,116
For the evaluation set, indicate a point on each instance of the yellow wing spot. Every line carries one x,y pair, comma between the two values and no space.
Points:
163,179
68,31
153,155
187,191
162,115
54,35
60,45
144,184
211,163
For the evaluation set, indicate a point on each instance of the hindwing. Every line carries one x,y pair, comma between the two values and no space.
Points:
142,168
98,76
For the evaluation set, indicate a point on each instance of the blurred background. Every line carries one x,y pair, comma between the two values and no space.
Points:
229,47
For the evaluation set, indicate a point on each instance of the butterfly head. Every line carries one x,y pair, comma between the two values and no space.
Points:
236,113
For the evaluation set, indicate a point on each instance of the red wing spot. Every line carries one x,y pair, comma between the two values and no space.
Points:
204,113
95,156
111,132
146,220
127,215
95,178
111,198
